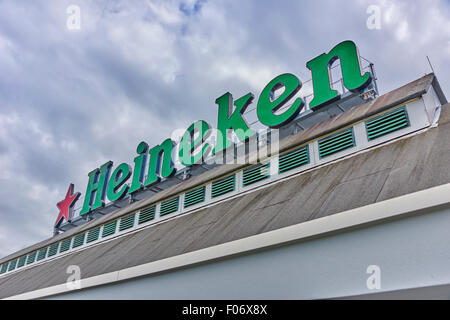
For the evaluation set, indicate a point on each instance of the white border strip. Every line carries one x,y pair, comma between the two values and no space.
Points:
413,203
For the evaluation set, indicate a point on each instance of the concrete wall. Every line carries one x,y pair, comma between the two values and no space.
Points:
411,252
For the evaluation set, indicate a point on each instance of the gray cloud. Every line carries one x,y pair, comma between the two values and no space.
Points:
71,100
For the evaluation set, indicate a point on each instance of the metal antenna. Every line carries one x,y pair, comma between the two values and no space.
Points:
429,62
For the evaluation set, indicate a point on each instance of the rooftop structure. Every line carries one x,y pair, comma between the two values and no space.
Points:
370,171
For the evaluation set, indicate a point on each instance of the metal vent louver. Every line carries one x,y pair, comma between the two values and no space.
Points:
387,123
12,265
147,214
4,268
41,254
169,206
256,173
78,240
109,229
293,159
53,249
93,235
223,186
31,257
65,245
127,222
336,143
194,197
21,262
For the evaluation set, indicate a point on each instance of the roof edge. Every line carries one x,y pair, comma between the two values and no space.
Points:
439,92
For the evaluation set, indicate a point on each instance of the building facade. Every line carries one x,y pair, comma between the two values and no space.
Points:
355,206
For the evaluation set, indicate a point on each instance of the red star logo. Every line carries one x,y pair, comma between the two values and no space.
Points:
66,206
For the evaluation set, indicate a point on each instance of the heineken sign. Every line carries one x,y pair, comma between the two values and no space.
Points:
113,185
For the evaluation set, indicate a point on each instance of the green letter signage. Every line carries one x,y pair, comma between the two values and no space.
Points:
139,166
118,178
272,111
266,107
189,143
98,180
156,169
348,55
229,119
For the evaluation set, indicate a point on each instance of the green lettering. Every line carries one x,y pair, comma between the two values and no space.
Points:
266,107
98,180
118,178
229,119
189,143
348,55
161,165
139,166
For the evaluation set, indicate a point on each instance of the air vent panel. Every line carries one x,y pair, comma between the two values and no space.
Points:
169,206
109,229
31,258
127,222
387,123
147,214
78,240
4,268
256,173
194,197
65,245
53,249
21,262
41,254
12,265
336,143
223,186
293,159
93,235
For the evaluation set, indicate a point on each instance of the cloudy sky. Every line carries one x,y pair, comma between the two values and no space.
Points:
71,99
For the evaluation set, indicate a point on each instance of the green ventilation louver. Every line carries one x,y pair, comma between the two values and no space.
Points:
336,143
41,254
78,240
223,186
93,235
4,268
109,228
127,222
53,249
293,159
194,197
65,245
147,214
31,257
256,173
12,265
387,123
169,206
21,262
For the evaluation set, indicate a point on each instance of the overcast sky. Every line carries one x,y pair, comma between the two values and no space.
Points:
72,99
